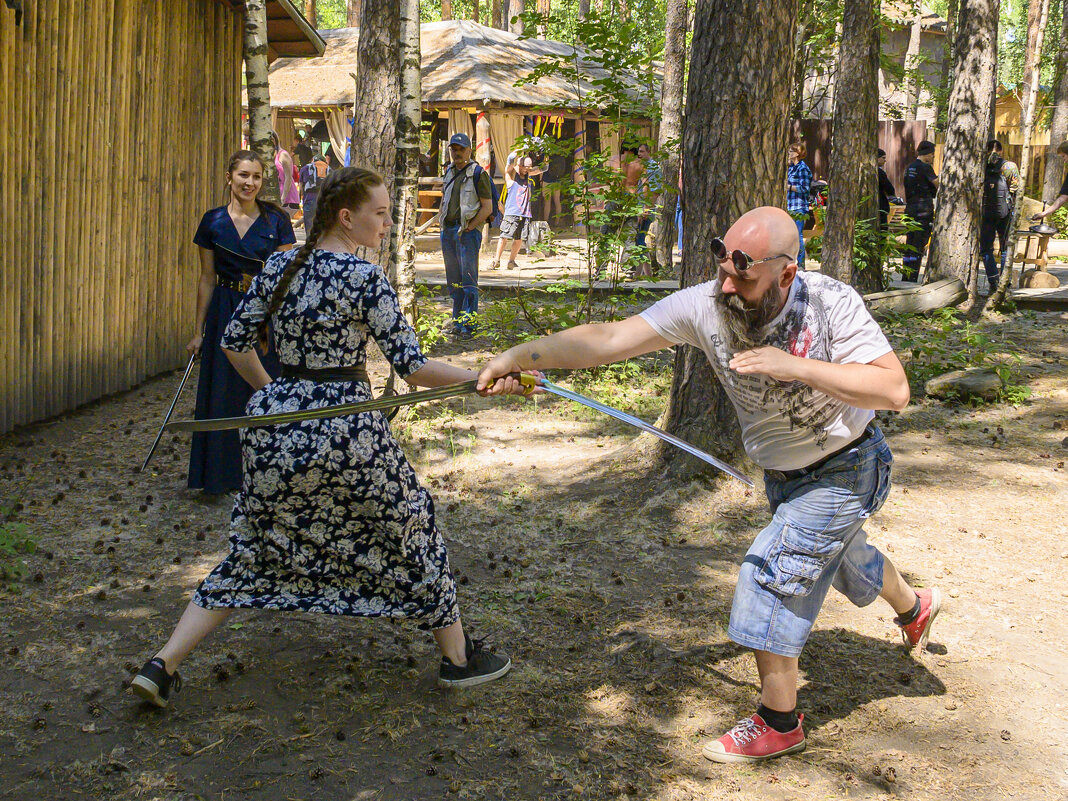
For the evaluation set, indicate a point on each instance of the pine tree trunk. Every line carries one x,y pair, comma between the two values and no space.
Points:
544,9
912,61
1058,129
259,96
378,89
497,15
353,13
406,171
476,14
446,9
946,82
310,13
670,145
955,233
853,177
516,8
583,9
733,159
1031,68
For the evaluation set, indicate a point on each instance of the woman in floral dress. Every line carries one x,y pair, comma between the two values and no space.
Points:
331,517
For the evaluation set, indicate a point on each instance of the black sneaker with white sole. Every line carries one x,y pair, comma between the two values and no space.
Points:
482,666
154,684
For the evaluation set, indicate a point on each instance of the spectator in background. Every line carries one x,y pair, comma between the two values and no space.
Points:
555,172
921,185
997,210
312,176
798,185
886,189
303,151
516,224
466,203
287,189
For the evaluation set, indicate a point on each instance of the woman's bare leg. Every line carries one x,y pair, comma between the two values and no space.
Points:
195,624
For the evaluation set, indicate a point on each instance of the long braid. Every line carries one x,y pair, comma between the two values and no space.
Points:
345,188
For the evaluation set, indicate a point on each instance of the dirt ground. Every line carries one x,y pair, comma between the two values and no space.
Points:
609,587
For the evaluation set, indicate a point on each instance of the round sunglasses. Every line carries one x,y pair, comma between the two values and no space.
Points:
742,261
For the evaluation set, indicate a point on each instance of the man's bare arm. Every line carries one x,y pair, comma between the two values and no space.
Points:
879,384
584,346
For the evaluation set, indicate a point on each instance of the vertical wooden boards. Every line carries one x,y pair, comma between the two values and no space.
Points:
119,118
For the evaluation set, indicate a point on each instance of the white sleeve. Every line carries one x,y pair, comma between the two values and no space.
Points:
856,337
678,317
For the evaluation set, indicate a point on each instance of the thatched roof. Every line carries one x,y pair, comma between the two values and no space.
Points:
464,64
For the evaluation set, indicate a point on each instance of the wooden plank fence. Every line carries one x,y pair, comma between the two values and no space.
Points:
118,118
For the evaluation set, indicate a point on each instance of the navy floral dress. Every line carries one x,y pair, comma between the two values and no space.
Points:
331,517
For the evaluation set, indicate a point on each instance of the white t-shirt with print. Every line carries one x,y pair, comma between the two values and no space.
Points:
785,425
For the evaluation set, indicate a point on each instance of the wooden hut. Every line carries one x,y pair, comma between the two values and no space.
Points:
119,116
468,70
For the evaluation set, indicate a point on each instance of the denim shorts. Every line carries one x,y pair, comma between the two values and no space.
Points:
815,540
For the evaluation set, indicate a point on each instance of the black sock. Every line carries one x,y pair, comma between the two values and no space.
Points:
782,722
909,616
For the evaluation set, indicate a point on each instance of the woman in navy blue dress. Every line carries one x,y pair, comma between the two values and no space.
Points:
234,240
331,517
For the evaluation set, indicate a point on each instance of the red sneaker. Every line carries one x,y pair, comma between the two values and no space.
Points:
753,740
917,632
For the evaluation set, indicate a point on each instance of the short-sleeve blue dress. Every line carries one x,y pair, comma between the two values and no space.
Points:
215,458
331,517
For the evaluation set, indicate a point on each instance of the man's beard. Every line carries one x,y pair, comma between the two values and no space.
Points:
743,326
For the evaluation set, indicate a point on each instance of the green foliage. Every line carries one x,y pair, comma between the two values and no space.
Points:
431,325
15,541
872,246
1012,42
942,341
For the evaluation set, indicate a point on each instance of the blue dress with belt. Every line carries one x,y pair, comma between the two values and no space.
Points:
215,459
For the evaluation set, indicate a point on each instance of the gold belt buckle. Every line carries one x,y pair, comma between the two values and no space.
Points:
246,282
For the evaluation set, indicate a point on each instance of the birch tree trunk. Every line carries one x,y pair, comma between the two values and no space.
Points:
1030,105
259,97
912,56
669,145
853,178
406,171
353,13
955,231
310,13
516,8
733,159
378,89
1058,129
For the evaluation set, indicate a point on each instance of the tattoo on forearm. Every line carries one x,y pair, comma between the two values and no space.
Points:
535,356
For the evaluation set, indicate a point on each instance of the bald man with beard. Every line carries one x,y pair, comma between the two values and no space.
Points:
805,366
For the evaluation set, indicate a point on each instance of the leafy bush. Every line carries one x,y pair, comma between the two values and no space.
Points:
15,541
942,341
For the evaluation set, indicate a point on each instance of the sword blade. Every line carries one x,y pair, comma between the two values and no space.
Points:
170,411
337,410
637,422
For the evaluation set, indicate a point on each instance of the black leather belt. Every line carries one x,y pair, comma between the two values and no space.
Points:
789,475
357,372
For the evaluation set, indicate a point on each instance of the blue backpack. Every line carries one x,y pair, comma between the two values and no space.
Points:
496,215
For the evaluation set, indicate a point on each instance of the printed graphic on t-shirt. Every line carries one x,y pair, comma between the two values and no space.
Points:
785,425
